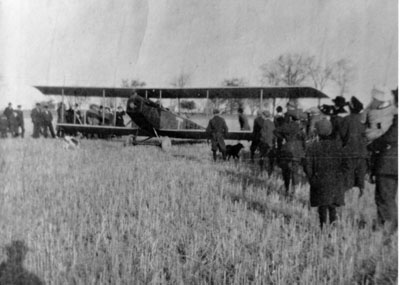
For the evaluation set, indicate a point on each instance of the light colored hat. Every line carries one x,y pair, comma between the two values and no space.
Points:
313,111
291,105
381,93
323,127
266,113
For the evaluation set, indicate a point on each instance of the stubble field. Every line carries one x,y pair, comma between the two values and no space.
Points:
108,214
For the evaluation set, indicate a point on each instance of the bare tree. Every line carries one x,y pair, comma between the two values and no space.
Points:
133,83
343,74
232,103
320,74
286,70
129,84
181,80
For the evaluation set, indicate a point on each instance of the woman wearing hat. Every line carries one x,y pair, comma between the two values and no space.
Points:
325,166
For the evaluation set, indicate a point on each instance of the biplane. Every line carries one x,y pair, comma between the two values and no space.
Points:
153,120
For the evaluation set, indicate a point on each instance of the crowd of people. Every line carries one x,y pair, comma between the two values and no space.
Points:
335,146
12,122
96,115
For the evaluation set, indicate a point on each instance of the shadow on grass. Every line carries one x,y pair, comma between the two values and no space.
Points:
12,270
189,157
260,207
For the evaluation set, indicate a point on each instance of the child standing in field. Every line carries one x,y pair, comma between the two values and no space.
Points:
325,166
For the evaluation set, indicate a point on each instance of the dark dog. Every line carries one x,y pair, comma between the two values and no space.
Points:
233,150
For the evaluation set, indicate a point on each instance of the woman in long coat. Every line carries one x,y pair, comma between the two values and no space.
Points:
325,167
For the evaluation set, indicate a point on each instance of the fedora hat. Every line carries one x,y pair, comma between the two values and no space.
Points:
339,101
355,105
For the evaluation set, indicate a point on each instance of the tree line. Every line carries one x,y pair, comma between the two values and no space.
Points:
290,69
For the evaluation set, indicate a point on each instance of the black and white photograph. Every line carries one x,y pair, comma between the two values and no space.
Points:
199,141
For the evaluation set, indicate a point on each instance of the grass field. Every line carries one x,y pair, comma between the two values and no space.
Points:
105,213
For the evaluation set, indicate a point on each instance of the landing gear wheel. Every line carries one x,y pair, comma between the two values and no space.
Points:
130,140
166,143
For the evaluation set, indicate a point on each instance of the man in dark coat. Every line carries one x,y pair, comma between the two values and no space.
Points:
352,134
243,122
20,121
257,126
385,172
292,152
337,115
217,129
324,166
3,126
47,118
119,120
13,120
279,120
36,116
61,117
7,112
267,141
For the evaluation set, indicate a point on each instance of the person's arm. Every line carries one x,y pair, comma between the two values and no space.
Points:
308,163
225,128
385,140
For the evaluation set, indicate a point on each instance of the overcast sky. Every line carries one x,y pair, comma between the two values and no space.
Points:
101,42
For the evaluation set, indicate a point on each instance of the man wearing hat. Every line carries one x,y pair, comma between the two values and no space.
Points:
267,142
20,120
36,116
314,115
13,120
325,166
3,126
385,173
257,126
290,155
243,122
8,112
47,119
352,134
378,116
217,130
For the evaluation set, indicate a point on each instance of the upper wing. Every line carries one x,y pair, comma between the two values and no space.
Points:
169,93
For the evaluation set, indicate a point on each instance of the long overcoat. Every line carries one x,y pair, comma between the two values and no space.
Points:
352,134
244,122
386,145
217,129
293,149
325,167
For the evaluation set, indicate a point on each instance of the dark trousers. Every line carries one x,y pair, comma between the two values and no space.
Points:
218,143
290,173
22,130
36,130
253,147
266,157
324,212
356,173
385,198
48,125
